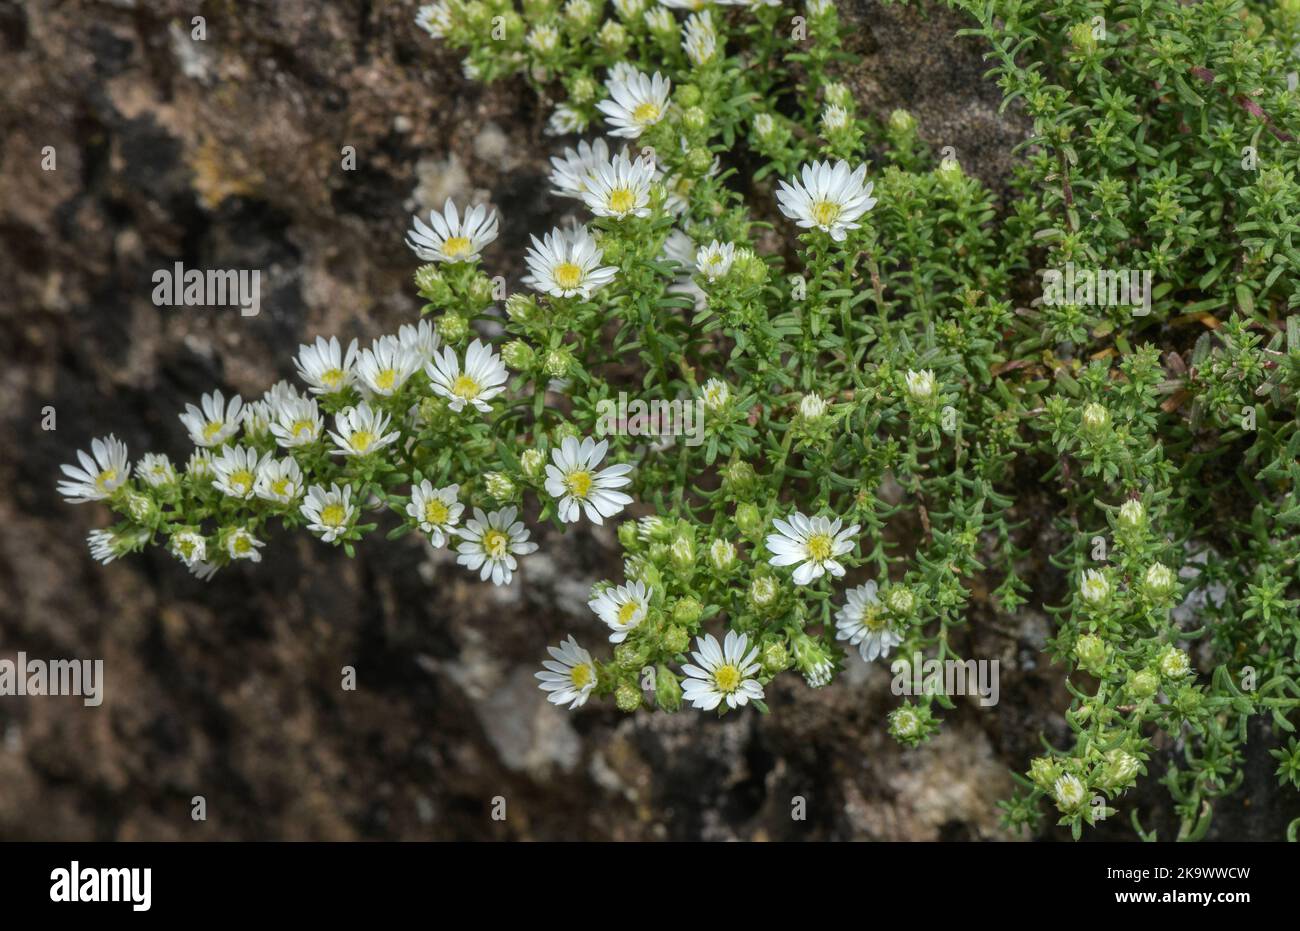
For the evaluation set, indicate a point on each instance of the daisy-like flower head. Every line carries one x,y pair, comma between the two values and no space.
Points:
106,546
421,339
216,422
569,676
636,101
699,38
716,394
360,431
724,673
325,367
490,544
920,385
190,546
572,479
620,188
571,172
328,513
156,470
483,378
813,543
234,471
385,367
435,510
827,197
102,471
298,422
434,18
564,264
714,260
451,238
622,608
864,623
1069,793
240,544
279,480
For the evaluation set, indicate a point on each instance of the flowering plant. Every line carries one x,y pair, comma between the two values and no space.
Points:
896,419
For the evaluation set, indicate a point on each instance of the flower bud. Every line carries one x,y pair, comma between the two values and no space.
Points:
1043,772
1159,581
1094,587
668,691
1174,663
558,362
452,327
762,591
517,354
481,290
1069,793
1090,650
812,407
682,553
521,307
1119,769
676,639
738,477
902,123
699,161
627,697
531,461
499,486
920,386
428,279
837,94
583,90
564,430
1143,684
749,520
613,37
900,601
687,612
1081,37
1132,515
627,534
907,724
696,118
722,554
688,95
775,657
1096,419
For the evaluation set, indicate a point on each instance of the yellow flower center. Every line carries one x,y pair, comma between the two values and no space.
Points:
280,488
454,247
825,212
212,428
185,548
580,676
627,612
645,113
241,480
333,378
874,621
578,483
435,512
303,426
385,379
332,515
621,200
105,478
727,677
495,544
361,440
465,387
820,546
568,275
242,545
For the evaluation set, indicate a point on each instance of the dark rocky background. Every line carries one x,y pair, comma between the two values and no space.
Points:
226,153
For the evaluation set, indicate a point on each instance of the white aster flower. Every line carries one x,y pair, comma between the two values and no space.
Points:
572,480
699,38
234,471
716,394
725,673
566,120
636,102
385,367
714,260
324,366
620,188
156,470
813,543
623,608
920,385
434,18
216,422
572,171
421,339
101,473
483,378
360,431
240,544
570,676
279,480
189,546
491,543
451,238
827,197
328,513
298,422
1068,792
863,622
435,510
564,264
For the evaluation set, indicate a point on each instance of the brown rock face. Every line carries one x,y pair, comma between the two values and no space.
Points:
228,152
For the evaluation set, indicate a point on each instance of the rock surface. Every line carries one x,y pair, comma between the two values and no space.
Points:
228,152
